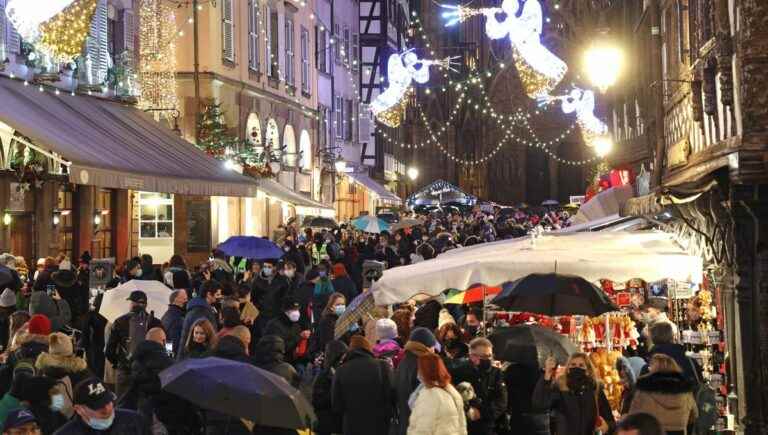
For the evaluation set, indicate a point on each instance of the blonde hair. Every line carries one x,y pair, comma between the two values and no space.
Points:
661,363
563,380
242,333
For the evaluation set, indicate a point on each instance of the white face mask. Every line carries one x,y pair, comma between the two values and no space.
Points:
290,273
294,315
57,402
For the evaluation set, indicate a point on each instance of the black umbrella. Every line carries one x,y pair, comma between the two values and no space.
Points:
320,222
552,294
530,345
239,390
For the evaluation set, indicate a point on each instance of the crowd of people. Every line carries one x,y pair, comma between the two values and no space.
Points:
410,369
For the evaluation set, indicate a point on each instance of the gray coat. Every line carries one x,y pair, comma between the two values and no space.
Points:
57,311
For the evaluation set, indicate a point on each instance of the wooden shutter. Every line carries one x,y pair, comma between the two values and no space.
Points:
228,30
355,55
348,119
268,41
97,44
127,25
3,31
253,35
305,60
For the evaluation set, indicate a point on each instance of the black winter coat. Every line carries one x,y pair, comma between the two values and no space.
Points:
269,355
117,345
197,309
491,398
268,295
93,342
691,369
345,286
126,423
575,413
173,323
324,332
289,331
328,421
362,393
27,352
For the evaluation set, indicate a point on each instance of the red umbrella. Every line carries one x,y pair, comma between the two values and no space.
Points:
475,293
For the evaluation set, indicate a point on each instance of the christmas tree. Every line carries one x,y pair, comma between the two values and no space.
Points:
213,136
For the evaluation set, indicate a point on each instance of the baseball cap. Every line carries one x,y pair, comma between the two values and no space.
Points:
138,296
93,394
17,418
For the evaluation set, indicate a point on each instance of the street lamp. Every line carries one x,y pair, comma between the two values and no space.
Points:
603,63
413,173
603,145
340,165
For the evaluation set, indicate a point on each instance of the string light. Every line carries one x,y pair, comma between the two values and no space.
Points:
157,56
64,35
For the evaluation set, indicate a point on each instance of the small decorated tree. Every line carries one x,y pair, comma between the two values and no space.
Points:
213,136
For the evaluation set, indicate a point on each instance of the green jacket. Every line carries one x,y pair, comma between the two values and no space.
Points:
8,404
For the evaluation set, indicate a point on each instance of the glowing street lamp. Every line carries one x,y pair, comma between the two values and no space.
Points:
413,173
340,166
603,63
603,145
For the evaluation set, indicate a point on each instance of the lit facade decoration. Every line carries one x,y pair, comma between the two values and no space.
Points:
540,70
402,69
27,16
63,36
157,56
582,103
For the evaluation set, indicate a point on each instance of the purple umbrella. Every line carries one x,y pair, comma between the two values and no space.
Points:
254,248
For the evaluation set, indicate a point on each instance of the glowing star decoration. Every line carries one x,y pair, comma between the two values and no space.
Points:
403,69
539,69
28,15
582,103
64,35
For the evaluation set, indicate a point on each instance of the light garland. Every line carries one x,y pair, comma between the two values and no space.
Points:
64,35
157,56
27,15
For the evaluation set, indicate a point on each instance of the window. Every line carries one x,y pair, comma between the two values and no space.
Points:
65,228
305,60
336,41
355,55
321,49
289,64
102,243
111,36
348,120
273,48
325,131
228,30
155,215
345,54
392,11
338,122
253,35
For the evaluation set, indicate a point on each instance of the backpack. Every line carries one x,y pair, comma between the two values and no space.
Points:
706,402
138,325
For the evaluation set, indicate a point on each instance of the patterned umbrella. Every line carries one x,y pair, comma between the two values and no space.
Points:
360,306
475,293
370,224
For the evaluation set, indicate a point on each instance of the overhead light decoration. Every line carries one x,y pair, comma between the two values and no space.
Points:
402,69
157,56
27,15
63,35
582,103
603,64
603,145
539,69
7,219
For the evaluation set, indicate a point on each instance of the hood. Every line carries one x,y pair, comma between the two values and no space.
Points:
386,346
269,349
57,364
673,350
664,383
231,349
334,351
64,278
417,348
197,302
358,353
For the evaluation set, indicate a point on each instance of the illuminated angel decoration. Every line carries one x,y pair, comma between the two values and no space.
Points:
582,103
403,69
540,70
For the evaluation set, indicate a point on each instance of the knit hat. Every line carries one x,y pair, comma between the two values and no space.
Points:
360,342
312,274
386,329
444,318
39,324
60,345
424,336
7,298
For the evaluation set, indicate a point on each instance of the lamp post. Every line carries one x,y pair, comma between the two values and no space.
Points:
603,145
413,173
603,63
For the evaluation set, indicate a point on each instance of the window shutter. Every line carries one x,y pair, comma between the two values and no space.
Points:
129,30
228,30
305,60
348,119
253,35
355,52
3,30
97,44
268,51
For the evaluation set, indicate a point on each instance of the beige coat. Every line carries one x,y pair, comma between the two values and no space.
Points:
668,398
438,411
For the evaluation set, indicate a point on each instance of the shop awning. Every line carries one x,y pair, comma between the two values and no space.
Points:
115,146
305,205
379,190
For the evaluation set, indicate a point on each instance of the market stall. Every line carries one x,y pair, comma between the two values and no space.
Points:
439,194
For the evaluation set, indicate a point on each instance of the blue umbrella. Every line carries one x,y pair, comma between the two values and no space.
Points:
238,390
254,248
370,224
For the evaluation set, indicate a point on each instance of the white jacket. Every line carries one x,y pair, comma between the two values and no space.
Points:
438,411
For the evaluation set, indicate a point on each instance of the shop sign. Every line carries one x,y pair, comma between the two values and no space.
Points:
17,195
677,154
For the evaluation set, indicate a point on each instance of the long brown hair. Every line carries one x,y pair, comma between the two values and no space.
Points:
433,372
209,332
402,318
331,300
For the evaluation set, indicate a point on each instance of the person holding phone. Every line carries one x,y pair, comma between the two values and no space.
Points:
48,302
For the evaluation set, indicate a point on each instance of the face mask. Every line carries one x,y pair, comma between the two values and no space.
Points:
138,273
293,316
290,273
137,309
267,271
57,402
484,364
287,249
322,274
472,329
339,309
577,373
102,423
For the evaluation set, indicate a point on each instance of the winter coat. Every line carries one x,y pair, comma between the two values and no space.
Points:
196,350
68,370
72,291
268,295
574,412
5,314
362,393
269,355
117,345
57,311
691,369
303,295
197,309
233,350
491,392
30,347
173,322
328,421
668,397
427,316
386,349
324,333
126,423
7,404
406,381
438,411
345,286
48,420
289,331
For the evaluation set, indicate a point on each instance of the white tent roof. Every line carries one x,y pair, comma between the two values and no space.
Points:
618,256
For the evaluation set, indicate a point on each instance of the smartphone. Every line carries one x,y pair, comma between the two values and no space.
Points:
50,289
169,348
